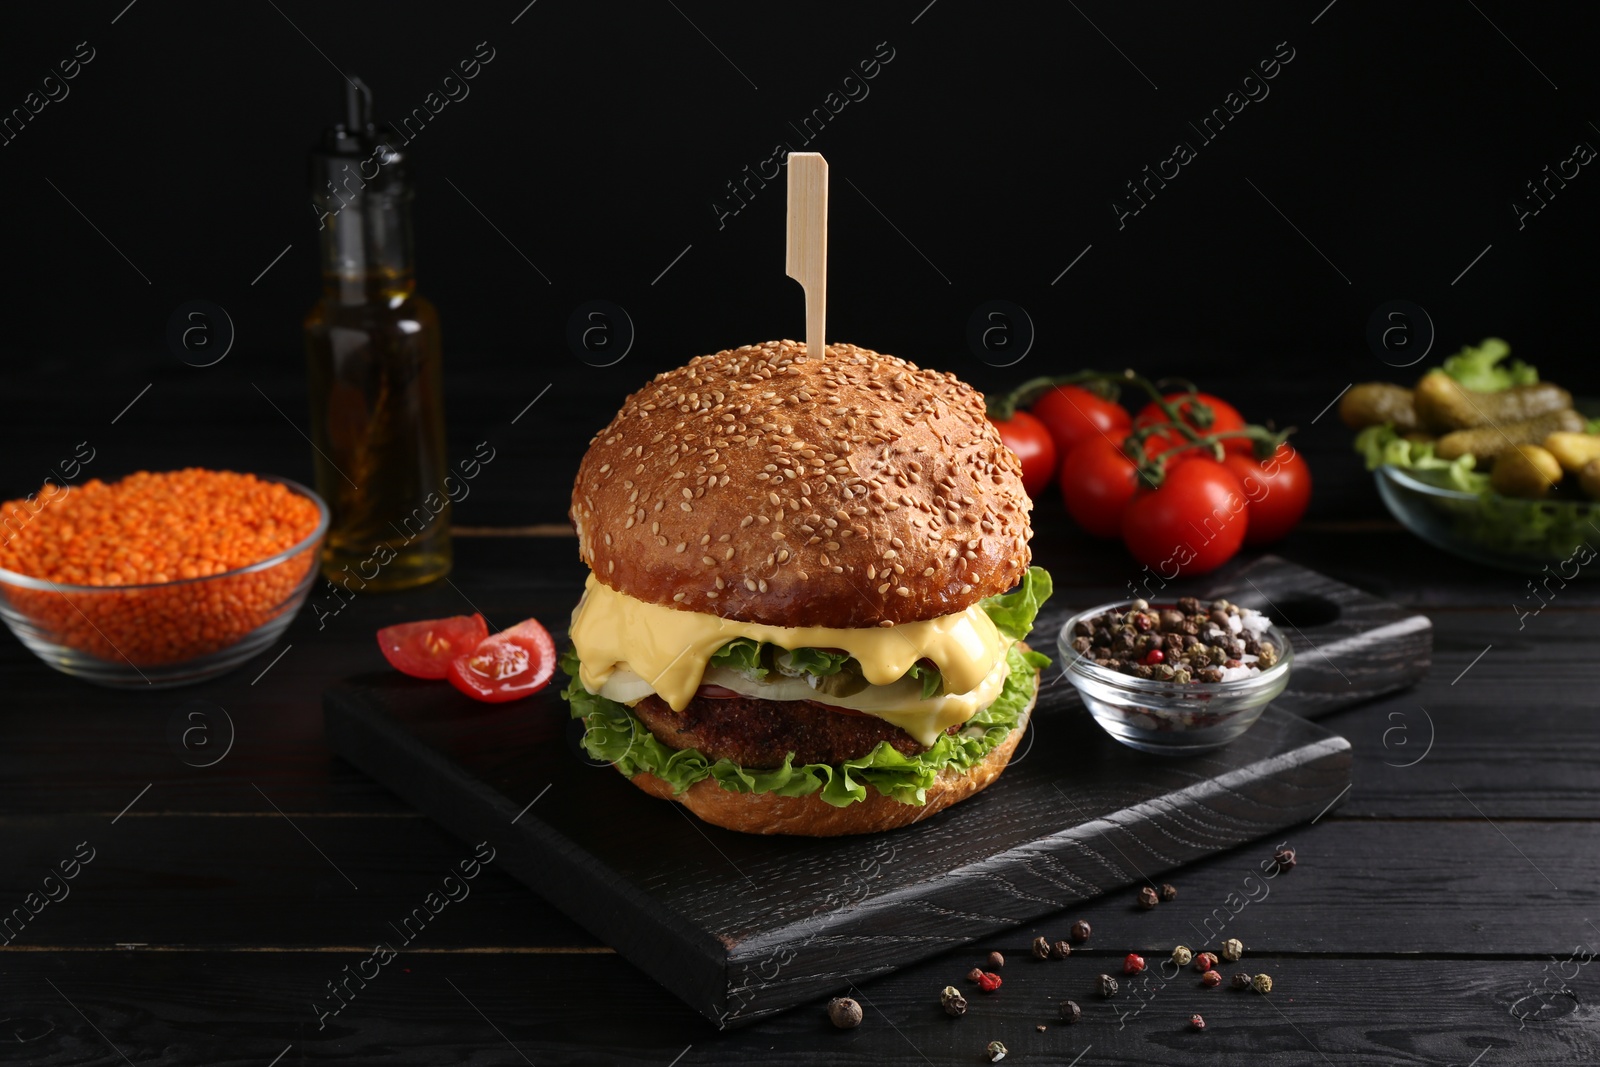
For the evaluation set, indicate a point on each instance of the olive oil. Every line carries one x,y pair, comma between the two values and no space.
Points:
372,344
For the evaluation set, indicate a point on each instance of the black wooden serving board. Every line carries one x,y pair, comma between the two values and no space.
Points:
742,926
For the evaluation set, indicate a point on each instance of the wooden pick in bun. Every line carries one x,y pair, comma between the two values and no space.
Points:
755,515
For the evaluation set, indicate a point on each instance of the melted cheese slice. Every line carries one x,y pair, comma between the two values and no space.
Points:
666,650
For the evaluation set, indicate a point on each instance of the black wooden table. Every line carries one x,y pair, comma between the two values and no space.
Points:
1444,913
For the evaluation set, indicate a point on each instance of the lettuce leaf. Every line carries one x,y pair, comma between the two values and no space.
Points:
1381,445
1480,368
613,734
743,655
816,661
1013,613
932,680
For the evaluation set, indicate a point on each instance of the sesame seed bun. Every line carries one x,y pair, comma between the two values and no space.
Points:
811,816
765,485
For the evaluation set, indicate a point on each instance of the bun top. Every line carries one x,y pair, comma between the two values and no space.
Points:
765,485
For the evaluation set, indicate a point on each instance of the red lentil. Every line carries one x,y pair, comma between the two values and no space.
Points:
156,528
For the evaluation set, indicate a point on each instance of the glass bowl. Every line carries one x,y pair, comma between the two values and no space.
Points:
1163,717
165,633
1500,531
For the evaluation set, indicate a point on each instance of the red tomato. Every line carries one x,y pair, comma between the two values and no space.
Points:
424,649
1073,414
510,665
1027,437
1192,524
1097,481
1278,489
1224,418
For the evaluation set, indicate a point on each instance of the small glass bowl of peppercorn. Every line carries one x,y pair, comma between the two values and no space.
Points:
1177,678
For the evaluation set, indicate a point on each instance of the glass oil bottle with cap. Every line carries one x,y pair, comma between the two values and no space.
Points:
377,397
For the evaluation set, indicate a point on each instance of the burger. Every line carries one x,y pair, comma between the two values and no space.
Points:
809,588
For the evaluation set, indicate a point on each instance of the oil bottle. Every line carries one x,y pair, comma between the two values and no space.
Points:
377,396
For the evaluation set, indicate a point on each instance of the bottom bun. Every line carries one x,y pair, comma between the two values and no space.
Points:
811,816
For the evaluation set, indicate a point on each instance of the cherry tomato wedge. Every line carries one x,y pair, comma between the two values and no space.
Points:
424,649
1027,437
510,665
1224,419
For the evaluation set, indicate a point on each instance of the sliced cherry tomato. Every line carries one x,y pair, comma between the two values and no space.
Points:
1278,489
1073,414
1192,524
1224,419
716,692
424,649
1097,481
1028,438
510,665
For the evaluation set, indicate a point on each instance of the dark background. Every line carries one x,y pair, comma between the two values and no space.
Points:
597,139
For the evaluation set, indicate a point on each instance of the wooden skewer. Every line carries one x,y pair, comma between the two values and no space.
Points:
806,252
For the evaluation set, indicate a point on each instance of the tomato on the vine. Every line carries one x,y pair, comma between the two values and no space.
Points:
1097,481
1027,437
1278,489
1192,524
1073,414
1225,418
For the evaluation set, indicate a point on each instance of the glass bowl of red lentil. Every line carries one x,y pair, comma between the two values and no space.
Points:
1163,716
214,615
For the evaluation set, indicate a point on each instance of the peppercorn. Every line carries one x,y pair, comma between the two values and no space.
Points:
1141,604
1261,983
1148,898
1267,656
844,1013
1070,1012
1079,932
1132,963
1233,950
1182,955
1154,656
1241,980
1169,892
1211,979
1285,859
996,1052
1041,948
1189,605
1196,1023
1205,961
988,982
975,975
1060,950
1081,645
1182,675
953,1003
1171,619
996,960
1041,1028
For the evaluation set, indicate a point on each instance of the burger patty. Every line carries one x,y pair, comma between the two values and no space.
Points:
758,734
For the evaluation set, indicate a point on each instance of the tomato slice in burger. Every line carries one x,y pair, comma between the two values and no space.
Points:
424,649
510,665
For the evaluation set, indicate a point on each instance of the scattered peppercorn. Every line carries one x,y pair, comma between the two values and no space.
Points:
996,960
1041,1028
1285,859
1105,985
1132,963
975,975
1060,950
1211,979
844,1013
1148,898
1196,1023
1242,980
1182,955
1079,932
1041,948
1169,892
988,982
953,1003
1233,950
1261,983
1205,961
996,1052
1070,1012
